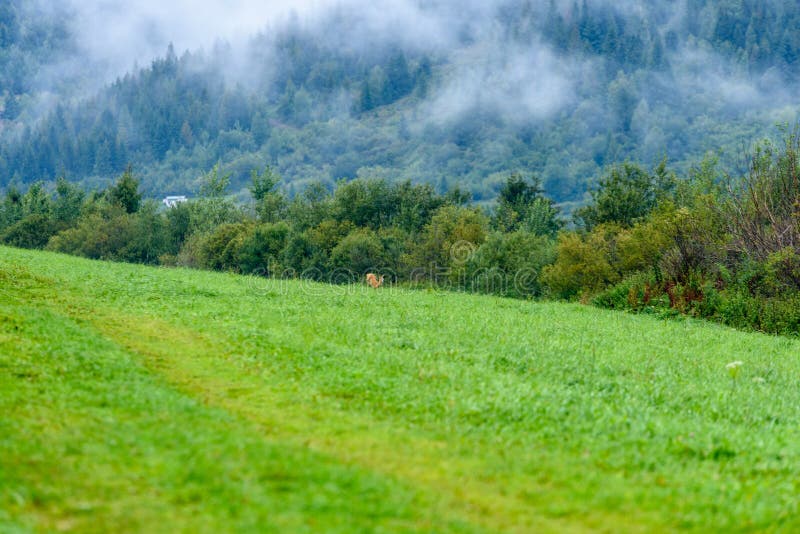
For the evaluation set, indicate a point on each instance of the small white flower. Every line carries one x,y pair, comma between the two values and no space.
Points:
733,368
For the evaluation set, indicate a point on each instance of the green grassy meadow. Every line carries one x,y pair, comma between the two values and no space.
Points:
136,399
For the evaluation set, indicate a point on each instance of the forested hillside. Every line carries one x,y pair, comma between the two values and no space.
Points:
461,95
29,43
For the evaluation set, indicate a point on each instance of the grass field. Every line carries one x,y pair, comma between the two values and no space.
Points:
156,400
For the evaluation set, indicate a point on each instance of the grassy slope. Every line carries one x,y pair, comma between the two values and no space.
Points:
163,400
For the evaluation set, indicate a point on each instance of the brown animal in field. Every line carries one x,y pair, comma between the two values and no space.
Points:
374,281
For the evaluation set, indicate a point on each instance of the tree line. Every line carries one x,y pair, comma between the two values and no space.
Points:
704,244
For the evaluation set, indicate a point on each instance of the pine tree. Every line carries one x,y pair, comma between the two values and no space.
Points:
365,100
125,193
398,77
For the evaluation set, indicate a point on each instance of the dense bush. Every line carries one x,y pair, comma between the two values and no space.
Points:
32,231
511,264
446,244
261,249
361,251
220,248
731,254
582,267
647,241
638,292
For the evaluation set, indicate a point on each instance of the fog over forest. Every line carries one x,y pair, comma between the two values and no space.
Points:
561,89
114,37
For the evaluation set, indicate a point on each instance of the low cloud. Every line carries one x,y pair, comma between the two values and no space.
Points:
117,34
481,67
519,85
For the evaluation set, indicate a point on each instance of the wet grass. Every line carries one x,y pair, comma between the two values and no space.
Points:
140,399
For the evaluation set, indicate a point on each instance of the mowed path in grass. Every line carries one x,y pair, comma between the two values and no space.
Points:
164,400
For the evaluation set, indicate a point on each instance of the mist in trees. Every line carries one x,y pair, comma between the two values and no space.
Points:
442,93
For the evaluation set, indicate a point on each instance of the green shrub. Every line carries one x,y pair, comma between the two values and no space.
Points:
636,292
446,244
97,236
361,251
774,315
33,231
782,271
642,246
781,315
220,248
261,249
510,264
582,267
299,254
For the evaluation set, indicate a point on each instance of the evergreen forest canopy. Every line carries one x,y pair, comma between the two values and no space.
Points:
454,94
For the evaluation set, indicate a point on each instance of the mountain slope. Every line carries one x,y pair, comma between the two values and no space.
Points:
446,95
